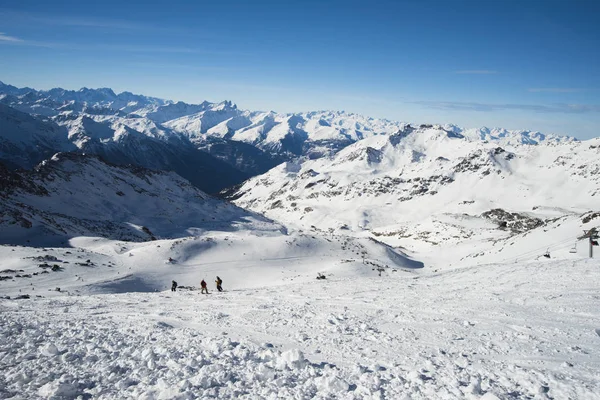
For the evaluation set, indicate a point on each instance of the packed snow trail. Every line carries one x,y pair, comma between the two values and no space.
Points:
496,331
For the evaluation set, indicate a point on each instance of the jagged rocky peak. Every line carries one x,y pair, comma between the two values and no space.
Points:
368,154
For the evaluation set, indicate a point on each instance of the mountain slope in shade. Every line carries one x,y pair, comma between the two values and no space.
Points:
77,195
26,140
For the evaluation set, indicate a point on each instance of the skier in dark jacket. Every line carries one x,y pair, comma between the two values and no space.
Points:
219,282
203,286
173,286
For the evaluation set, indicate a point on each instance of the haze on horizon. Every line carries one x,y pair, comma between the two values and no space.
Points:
518,65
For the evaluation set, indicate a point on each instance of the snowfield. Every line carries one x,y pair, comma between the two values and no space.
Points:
495,331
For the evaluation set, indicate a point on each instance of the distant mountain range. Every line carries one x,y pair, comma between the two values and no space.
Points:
213,145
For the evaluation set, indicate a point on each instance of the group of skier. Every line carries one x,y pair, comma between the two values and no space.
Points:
203,285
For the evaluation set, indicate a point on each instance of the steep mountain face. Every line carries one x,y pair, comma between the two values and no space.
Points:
244,157
200,168
431,188
171,111
26,140
78,195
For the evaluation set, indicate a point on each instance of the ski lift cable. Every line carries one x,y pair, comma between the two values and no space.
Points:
533,252
555,246
547,247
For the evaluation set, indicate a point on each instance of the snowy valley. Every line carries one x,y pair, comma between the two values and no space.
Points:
451,260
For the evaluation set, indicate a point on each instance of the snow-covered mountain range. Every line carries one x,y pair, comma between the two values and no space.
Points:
432,189
448,260
214,145
415,186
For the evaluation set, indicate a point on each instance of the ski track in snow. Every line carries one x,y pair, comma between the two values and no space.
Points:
509,331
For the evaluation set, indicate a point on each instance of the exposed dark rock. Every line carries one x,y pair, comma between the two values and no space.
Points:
277,204
514,221
147,232
46,257
11,271
590,216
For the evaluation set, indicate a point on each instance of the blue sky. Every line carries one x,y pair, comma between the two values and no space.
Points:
527,64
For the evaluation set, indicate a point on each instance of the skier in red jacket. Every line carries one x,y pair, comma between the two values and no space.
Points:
203,286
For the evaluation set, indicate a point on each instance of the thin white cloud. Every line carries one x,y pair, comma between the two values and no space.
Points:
57,20
476,72
85,22
487,107
167,65
157,49
5,38
362,99
118,47
555,90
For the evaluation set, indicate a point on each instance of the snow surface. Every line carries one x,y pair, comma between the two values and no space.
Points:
104,324
495,331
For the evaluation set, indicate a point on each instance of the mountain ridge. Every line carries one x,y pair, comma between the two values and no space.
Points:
200,142
74,194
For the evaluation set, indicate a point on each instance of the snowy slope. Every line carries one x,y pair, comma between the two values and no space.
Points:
492,331
429,189
172,111
527,330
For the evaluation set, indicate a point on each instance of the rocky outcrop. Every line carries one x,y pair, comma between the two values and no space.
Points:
513,221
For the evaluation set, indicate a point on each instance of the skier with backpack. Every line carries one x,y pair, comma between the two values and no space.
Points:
173,286
219,282
203,286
